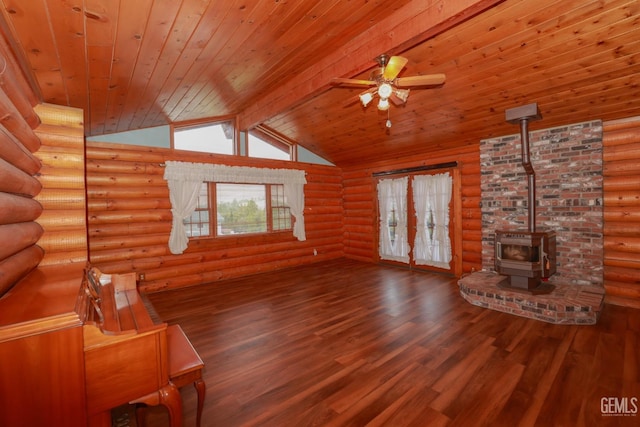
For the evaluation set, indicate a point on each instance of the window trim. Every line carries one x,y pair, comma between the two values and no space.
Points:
212,192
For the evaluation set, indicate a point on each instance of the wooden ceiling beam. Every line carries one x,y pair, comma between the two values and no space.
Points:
410,25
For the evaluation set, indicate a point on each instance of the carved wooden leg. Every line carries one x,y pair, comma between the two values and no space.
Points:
141,419
201,390
171,399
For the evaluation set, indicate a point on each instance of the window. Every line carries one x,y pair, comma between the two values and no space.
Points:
217,138
265,143
232,209
198,223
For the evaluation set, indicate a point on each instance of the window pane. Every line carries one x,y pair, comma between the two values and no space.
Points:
209,138
241,208
264,150
198,223
280,212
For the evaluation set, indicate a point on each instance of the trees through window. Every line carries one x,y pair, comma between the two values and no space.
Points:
231,209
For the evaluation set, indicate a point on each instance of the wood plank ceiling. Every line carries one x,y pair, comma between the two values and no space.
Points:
137,64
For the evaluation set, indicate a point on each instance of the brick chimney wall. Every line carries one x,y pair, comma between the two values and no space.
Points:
568,165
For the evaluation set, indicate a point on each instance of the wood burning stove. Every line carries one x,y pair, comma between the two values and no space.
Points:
526,257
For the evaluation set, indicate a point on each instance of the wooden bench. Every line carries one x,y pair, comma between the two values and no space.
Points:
185,367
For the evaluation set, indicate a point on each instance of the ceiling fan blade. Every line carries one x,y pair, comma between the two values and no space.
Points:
352,82
393,68
428,80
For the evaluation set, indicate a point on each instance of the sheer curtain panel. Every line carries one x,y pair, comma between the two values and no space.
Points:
431,197
392,204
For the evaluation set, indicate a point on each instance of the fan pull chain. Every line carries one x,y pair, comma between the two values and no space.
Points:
388,124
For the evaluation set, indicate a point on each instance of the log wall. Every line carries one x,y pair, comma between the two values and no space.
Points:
19,209
129,220
621,170
360,228
63,195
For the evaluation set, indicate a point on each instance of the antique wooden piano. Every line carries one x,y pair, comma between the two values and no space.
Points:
74,344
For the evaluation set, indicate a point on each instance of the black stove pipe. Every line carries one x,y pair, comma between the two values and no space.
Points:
523,115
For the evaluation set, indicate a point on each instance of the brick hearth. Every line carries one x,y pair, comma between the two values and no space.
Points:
566,304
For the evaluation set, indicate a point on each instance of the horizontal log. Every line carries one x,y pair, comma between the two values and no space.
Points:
626,123
17,209
64,258
470,191
128,229
123,153
132,181
63,199
364,245
98,244
624,260
612,138
16,237
18,265
62,219
621,229
15,153
319,225
61,138
127,204
621,167
61,178
15,77
624,214
622,183
17,90
61,159
471,202
621,274
13,180
361,205
621,152
13,121
67,240
132,216
62,117
95,166
622,198
109,192
472,246
628,244
623,289
366,230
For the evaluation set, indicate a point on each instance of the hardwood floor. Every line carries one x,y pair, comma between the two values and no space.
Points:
349,343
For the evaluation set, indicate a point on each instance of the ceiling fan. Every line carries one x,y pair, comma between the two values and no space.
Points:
386,83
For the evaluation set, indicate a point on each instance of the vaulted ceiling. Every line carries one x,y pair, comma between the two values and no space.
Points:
144,63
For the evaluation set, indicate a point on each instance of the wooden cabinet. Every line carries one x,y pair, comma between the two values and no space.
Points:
42,378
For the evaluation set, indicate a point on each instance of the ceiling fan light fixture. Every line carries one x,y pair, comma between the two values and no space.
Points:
383,104
385,90
366,98
403,94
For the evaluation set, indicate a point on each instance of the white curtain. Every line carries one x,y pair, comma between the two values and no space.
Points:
392,198
182,177
184,199
431,197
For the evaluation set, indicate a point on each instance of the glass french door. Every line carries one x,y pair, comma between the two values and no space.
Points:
413,220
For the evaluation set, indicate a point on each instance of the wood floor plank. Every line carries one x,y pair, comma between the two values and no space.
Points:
346,343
